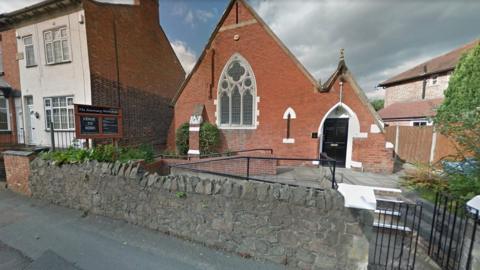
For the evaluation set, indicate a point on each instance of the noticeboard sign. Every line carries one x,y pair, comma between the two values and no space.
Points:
95,122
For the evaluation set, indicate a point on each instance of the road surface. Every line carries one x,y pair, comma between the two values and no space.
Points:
35,230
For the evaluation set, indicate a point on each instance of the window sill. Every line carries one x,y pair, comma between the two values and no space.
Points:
61,130
288,140
59,63
31,66
5,132
239,127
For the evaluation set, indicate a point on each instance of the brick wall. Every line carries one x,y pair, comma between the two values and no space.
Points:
17,168
146,116
148,69
8,43
280,84
412,91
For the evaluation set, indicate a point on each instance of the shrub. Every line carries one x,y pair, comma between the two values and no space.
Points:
101,153
209,138
181,139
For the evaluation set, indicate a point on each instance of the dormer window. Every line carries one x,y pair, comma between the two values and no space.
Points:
56,46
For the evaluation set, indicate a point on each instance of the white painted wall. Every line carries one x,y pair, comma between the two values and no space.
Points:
66,79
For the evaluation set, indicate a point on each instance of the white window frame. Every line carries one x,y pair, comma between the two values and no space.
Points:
7,110
51,41
48,107
420,123
253,92
25,51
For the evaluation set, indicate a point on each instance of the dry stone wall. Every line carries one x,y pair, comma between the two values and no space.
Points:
299,227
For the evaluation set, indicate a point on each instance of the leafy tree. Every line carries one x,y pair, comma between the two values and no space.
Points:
377,104
459,115
459,118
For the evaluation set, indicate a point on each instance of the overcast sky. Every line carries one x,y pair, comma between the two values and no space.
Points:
381,37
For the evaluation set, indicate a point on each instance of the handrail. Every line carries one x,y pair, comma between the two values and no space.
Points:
187,157
329,161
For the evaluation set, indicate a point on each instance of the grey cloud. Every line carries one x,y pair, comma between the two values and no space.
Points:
381,38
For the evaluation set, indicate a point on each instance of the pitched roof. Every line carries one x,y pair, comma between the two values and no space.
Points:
40,8
439,64
267,29
413,109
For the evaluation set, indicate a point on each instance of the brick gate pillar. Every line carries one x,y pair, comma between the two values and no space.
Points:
194,132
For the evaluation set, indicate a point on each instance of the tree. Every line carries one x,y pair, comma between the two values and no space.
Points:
459,115
377,104
459,118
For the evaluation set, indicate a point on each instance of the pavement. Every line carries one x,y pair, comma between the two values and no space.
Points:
38,235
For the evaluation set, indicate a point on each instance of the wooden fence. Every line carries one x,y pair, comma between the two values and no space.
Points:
419,144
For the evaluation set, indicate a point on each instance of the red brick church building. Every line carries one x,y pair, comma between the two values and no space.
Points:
259,95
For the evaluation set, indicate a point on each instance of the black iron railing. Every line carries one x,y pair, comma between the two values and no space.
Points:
222,154
453,231
272,170
396,239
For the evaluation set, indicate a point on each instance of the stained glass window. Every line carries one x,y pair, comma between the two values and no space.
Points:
237,94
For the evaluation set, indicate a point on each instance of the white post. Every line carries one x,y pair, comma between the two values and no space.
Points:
397,133
434,145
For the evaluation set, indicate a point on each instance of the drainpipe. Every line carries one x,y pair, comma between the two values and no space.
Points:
424,86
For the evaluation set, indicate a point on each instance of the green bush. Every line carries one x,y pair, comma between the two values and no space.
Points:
101,153
181,139
209,138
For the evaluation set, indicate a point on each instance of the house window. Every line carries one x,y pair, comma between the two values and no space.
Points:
59,111
419,123
236,95
56,46
288,115
4,114
29,51
434,80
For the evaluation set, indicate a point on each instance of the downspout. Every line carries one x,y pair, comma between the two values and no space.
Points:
117,68
424,86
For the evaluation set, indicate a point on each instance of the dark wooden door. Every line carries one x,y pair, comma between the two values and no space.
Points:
335,134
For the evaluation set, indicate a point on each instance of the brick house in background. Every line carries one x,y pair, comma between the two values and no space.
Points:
10,96
259,95
412,96
88,52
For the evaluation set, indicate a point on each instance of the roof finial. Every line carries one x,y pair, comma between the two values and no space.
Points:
342,54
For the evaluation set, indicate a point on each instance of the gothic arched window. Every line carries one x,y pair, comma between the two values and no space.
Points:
236,94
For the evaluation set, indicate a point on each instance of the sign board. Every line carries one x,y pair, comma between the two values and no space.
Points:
95,122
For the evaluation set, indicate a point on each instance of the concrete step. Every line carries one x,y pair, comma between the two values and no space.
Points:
387,212
389,226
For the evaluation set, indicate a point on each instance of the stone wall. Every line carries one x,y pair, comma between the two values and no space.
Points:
299,227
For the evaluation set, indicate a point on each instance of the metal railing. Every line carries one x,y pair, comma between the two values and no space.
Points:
223,154
63,139
283,170
396,240
453,231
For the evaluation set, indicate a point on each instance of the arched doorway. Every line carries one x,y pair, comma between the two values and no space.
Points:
336,132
